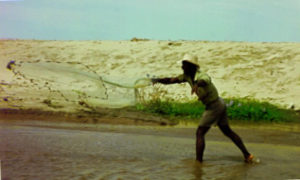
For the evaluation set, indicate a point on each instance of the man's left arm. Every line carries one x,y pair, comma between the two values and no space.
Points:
201,81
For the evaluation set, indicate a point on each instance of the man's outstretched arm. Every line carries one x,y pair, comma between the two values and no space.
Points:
167,80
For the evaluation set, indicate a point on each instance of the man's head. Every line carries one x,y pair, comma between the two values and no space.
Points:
192,60
190,64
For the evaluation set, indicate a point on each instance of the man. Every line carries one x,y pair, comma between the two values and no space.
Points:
215,108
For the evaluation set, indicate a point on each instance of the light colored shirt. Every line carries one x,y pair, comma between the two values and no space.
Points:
206,94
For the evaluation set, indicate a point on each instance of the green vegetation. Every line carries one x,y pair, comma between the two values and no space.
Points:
237,109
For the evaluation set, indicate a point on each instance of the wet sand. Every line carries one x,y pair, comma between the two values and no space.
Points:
51,150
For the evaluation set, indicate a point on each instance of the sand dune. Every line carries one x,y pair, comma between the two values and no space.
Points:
264,71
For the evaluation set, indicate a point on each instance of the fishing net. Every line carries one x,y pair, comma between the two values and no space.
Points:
73,84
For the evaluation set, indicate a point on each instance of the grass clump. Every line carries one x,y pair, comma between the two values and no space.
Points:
172,108
256,111
237,109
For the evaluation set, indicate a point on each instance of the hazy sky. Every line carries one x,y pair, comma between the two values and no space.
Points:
216,20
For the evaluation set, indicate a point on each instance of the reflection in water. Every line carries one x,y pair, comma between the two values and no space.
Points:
197,170
217,170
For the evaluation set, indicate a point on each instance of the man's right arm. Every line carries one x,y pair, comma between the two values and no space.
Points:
167,80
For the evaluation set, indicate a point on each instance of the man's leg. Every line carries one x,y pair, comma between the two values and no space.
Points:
235,138
200,142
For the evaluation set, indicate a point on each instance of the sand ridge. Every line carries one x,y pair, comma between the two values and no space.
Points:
264,71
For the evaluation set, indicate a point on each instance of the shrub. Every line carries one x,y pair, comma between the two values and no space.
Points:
238,109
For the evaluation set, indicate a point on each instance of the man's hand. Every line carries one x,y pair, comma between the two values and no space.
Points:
154,80
11,65
199,83
195,89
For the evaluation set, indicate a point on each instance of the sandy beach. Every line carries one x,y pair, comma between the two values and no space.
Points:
263,71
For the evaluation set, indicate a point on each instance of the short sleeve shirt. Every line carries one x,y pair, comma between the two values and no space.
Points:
206,94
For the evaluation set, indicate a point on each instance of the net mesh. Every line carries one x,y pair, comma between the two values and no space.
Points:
61,84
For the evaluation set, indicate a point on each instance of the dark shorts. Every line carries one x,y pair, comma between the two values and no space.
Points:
215,113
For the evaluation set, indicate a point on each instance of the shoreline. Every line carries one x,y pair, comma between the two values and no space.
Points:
127,117
274,133
120,116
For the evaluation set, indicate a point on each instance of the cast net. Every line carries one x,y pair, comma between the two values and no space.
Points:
70,84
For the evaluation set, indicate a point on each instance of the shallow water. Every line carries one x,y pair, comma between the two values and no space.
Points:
59,153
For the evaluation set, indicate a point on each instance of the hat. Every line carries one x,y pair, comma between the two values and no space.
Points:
190,59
